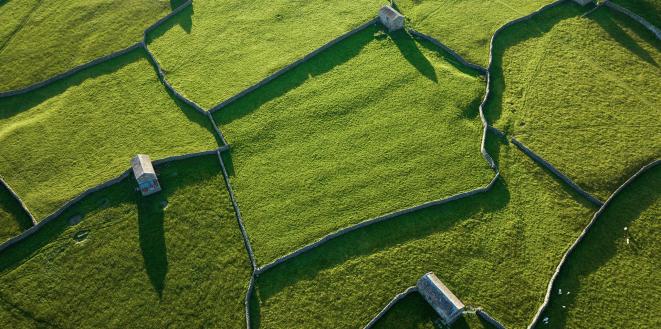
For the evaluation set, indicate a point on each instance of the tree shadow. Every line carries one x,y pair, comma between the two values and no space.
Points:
512,36
600,244
409,49
152,239
317,65
612,22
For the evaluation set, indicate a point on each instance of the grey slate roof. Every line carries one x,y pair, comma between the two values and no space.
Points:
141,165
440,298
390,12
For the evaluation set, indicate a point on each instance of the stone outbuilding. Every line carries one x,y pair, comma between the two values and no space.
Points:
391,18
145,175
583,2
441,299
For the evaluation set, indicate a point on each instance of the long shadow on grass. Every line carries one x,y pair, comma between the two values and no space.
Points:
184,18
612,22
409,48
152,239
536,27
320,64
11,206
599,246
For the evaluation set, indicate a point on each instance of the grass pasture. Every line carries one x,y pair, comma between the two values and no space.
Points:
210,55
81,131
39,39
495,250
466,26
13,219
413,312
373,125
132,263
609,282
545,94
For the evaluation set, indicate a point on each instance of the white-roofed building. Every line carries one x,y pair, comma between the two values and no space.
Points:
145,175
440,298
391,18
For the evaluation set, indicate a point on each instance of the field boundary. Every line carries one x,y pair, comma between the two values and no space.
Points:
291,66
125,174
580,238
488,318
447,49
69,73
390,304
20,201
537,158
655,30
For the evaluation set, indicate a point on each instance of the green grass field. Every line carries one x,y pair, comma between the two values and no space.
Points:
546,94
495,250
609,282
13,219
39,39
210,56
79,132
133,263
466,26
413,312
371,126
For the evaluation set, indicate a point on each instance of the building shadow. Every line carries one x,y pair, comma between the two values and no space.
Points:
612,22
152,239
409,48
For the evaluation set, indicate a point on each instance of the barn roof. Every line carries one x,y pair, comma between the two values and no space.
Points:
141,165
441,299
390,12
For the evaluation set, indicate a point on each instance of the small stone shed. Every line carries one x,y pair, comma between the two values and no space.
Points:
145,175
391,18
441,299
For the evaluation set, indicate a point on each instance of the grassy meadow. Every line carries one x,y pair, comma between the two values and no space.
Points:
79,132
582,92
131,262
495,250
373,125
39,39
413,312
13,219
210,55
466,26
618,286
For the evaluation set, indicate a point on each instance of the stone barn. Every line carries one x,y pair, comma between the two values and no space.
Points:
391,19
145,175
441,299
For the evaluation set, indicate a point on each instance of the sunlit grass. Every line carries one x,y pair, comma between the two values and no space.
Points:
371,126
79,132
133,262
